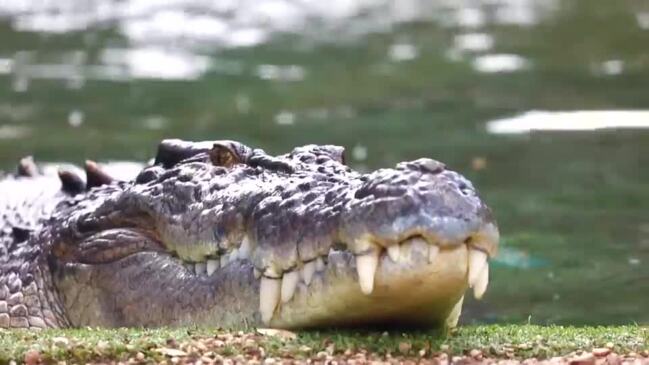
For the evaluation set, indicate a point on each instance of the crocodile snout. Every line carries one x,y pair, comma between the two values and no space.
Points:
418,198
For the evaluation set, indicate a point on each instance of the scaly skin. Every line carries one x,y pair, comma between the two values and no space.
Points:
219,234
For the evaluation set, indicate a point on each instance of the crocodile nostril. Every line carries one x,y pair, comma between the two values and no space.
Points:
464,188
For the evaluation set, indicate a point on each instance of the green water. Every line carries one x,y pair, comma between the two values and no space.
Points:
389,83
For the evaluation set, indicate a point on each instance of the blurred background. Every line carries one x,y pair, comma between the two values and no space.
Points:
542,104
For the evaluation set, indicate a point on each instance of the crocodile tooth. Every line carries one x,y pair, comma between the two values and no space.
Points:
419,247
200,268
256,273
366,265
211,266
405,250
481,284
245,248
319,264
394,252
224,260
269,293
433,250
477,262
233,255
307,272
454,316
289,283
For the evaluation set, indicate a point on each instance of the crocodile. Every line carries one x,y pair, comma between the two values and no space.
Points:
216,233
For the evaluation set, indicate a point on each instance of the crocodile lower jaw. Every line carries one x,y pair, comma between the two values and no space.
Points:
413,282
417,288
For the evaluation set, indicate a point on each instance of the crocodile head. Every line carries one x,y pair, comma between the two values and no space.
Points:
217,233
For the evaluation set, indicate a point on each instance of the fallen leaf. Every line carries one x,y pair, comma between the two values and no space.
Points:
601,352
271,332
171,352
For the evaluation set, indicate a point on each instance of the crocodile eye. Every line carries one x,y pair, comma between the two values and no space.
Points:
224,155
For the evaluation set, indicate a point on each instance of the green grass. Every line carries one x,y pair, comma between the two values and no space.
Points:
511,341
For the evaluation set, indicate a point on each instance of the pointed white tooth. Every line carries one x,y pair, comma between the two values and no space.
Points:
211,266
307,271
454,316
200,268
477,262
481,284
366,265
234,255
224,260
419,248
433,250
319,264
245,248
269,292
256,273
394,252
289,283
405,249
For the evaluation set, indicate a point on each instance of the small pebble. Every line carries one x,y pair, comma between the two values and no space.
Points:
32,357
404,347
476,354
584,359
60,341
613,359
601,351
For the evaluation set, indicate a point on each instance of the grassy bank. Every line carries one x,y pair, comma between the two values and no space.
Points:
181,345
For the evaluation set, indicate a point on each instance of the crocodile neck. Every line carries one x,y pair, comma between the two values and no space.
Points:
28,299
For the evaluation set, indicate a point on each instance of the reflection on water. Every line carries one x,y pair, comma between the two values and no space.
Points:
570,121
500,63
163,35
248,22
157,63
107,79
13,132
476,42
